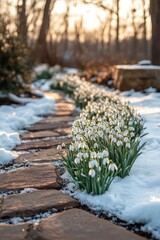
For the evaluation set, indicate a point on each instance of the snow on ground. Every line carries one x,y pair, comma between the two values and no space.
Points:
136,198
138,66
14,118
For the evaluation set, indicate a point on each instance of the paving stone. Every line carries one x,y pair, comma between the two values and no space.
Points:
77,224
30,204
42,144
48,155
56,96
37,176
38,135
14,232
57,119
48,126
64,108
64,131
65,113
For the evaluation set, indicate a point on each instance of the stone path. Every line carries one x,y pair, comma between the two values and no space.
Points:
31,188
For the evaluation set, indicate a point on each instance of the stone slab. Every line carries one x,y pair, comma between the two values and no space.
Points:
77,224
64,131
57,119
64,108
48,126
56,96
65,113
30,204
14,232
37,176
39,135
136,77
48,155
42,144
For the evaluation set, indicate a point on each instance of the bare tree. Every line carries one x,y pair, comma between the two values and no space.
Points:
41,45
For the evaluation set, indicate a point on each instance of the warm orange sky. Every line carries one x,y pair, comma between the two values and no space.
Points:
90,12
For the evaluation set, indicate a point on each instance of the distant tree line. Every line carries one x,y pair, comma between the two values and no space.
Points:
117,40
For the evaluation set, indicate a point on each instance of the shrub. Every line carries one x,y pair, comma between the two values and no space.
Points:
15,61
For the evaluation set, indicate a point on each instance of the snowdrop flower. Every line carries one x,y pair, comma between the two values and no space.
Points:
128,145
92,173
106,153
93,164
114,139
95,145
125,133
112,167
100,155
126,139
78,137
85,155
59,147
79,155
100,133
99,169
119,143
63,144
77,160
105,161
93,154
71,148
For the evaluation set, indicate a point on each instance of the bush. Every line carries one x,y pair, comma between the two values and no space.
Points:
15,61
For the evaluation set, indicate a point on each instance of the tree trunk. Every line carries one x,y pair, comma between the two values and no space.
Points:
117,26
145,50
22,20
41,49
155,19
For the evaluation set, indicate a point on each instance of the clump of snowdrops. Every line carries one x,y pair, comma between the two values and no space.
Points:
106,138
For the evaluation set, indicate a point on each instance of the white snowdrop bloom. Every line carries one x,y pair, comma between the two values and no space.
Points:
131,128
71,148
125,133
119,143
137,139
79,155
59,147
78,137
92,173
128,145
126,139
132,134
86,134
77,160
95,145
85,155
100,133
130,123
99,169
105,161
114,140
110,136
93,164
106,153
100,154
93,154
112,167
63,144
89,133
